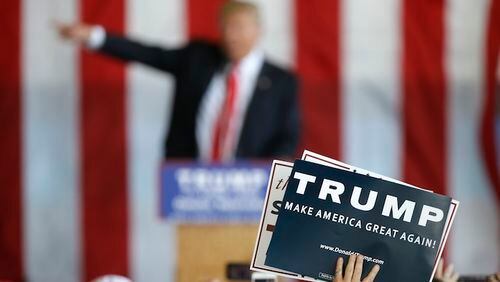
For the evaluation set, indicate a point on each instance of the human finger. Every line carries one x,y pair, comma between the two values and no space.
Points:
338,270
358,268
372,274
449,271
439,270
349,268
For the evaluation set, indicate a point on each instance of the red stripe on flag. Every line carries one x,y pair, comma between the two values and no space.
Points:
424,99
318,25
104,151
202,19
488,122
11,248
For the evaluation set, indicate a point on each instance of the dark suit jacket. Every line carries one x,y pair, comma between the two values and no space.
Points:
271,126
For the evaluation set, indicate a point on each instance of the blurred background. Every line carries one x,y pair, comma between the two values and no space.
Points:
409,89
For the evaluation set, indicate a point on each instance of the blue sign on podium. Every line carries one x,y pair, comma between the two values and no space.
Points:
212,193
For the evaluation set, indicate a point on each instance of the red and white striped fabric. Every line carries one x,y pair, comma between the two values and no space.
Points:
404,88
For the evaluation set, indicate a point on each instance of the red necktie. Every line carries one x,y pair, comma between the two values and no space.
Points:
221,128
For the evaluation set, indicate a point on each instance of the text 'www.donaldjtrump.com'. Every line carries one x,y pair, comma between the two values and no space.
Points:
348,253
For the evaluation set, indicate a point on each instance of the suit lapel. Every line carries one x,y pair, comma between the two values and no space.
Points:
262,89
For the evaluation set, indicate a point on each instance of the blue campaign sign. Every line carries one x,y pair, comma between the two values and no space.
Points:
329,212
211,193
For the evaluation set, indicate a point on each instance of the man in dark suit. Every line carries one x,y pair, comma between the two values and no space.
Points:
230,102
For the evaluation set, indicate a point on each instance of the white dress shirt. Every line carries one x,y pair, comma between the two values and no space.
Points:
211,105
213,100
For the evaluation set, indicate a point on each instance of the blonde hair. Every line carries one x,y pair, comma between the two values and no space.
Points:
235,6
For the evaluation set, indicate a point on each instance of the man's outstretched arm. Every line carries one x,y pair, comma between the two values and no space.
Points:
95,37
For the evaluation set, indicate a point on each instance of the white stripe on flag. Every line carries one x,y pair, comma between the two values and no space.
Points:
149,98
51,199
474,242
278,27
370,91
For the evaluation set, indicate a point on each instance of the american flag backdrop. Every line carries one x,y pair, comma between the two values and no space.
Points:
405,88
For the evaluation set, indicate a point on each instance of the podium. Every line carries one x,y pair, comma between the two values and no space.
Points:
216,208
